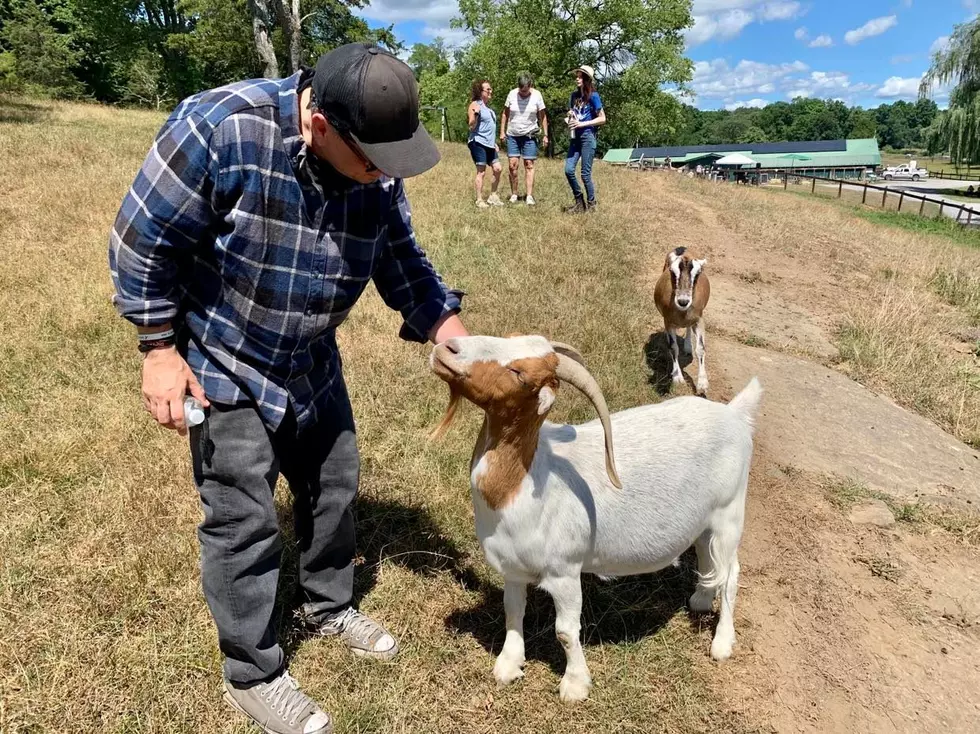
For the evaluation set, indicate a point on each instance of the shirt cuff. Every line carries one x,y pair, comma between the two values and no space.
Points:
420,321
154,312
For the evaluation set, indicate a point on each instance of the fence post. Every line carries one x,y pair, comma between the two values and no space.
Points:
884,195
864,196
942,203
813,186
785,179
969,217
922,206
901,198
959,213
840,189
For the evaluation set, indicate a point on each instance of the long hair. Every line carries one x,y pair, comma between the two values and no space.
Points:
587,88
476,91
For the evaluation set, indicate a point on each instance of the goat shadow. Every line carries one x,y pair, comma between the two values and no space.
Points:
619,610
661,365
402,534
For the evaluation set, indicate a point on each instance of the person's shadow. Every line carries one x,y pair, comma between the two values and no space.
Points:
401,534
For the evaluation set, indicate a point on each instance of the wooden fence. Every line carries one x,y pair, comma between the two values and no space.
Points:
965,214
955,176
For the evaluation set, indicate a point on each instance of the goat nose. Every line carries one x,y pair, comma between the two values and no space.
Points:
452,345
683,302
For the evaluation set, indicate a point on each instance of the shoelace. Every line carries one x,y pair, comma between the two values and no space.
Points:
355,624
286,698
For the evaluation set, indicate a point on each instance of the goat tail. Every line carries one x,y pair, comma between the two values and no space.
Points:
746,403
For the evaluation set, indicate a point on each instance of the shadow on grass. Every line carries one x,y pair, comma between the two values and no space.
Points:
20,112
386,531
660,363
621,610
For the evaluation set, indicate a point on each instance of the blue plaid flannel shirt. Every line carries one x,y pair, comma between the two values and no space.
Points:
227,234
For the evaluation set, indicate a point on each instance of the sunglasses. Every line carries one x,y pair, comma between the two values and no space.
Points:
349,141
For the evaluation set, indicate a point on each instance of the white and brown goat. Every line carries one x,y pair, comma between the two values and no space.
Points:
681,294
552,501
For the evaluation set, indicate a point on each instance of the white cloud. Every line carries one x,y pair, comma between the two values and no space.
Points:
780,11
821,41
939,45
793,94
801,34
874,27
435,17
896,87
717,81
724,19
722,27
754,103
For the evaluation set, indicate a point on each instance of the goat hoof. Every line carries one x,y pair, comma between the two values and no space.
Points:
701,602
574,688
702,387
678,378
721,649
506,671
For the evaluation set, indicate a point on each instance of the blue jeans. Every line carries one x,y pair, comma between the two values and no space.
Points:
581,147
522,146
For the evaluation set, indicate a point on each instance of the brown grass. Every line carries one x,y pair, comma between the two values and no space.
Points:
103,627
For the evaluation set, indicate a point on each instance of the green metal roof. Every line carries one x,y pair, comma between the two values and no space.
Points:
860,152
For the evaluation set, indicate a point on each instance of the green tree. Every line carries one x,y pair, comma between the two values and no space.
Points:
41,53
635,46
861,123
957,129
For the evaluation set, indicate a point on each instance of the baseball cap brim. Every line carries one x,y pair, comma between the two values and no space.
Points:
403,158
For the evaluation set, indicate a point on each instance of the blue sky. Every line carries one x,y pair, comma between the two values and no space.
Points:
750,52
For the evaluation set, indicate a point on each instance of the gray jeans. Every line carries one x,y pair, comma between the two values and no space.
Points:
237,461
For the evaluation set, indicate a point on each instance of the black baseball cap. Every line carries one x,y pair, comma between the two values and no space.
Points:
370,95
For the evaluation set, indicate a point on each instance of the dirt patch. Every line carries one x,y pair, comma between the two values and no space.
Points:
843,626
817,420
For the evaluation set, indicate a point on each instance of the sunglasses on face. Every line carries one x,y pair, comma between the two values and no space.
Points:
349,141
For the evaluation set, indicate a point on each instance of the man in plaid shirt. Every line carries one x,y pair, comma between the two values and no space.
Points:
256,222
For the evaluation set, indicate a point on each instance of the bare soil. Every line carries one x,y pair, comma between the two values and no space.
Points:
842,627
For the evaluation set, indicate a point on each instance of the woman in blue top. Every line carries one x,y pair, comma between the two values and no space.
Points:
483,141
585,115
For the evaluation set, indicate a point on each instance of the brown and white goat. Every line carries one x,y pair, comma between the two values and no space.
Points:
681,294
551,501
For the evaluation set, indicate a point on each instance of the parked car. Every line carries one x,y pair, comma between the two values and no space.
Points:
906,171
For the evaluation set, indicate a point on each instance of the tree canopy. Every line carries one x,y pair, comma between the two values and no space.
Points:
957,129
155,52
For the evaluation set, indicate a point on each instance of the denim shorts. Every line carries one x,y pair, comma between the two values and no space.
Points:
481,154
522,146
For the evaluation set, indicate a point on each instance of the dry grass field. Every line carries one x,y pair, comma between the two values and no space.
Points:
103,626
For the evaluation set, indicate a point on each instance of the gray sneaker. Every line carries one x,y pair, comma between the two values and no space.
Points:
362,634
279,707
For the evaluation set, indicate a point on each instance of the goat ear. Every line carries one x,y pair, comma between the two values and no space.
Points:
546,398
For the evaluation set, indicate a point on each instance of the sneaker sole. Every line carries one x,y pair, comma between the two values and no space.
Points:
234,704
384,656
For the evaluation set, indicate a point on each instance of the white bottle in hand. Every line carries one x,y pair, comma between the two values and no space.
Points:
193,411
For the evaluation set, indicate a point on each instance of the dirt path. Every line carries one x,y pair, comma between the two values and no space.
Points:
844,626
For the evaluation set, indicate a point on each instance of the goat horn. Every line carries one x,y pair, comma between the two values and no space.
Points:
568,351
576,375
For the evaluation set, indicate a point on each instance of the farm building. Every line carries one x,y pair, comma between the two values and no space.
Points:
830,158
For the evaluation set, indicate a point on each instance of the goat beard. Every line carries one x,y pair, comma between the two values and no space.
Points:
454,397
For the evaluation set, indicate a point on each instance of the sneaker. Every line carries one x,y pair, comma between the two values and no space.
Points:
530,200
481,204
590,205
577,207
494,200
513,199
362,634
279,706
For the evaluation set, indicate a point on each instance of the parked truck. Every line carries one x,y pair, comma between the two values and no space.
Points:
907,171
